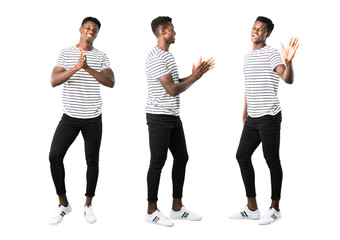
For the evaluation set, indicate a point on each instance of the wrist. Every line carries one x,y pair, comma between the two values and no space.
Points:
288,63
86,68
194,77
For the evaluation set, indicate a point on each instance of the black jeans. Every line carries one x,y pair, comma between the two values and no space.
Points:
66,132
265,129
166,132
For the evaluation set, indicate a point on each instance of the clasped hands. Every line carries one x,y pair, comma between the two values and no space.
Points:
82,63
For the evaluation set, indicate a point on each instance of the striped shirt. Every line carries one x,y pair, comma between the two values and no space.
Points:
158,64
262,82
81,92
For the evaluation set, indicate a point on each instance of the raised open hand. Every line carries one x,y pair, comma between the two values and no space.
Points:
202,67
289,52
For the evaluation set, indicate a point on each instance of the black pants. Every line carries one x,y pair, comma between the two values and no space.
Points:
166,132
265,129
66,132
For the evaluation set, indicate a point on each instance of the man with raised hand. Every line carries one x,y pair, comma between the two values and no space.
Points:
263,67
164,123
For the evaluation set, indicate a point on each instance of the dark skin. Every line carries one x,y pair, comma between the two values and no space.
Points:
165,37
88,33
259,35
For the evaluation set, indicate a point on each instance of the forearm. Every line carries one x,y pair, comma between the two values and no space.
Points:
245,112
288,75
106,79
182,86
59,77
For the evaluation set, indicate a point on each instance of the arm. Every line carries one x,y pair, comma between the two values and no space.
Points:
245,113
61,75
173,89
105,77
286,72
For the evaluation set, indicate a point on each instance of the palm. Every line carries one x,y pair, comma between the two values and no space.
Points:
289,51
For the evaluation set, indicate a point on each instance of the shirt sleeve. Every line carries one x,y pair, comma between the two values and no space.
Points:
158,67
105,63
61,60
275,59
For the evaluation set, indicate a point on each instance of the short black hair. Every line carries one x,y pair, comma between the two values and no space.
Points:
270,24
92,19
159,21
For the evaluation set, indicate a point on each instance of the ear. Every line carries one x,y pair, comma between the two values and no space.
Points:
268,34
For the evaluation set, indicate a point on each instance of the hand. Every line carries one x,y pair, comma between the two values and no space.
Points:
289,52
82,63
202,67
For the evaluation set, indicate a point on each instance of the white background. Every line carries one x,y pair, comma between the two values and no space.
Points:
34,32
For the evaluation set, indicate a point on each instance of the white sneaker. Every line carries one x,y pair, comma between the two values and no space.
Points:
246,213
89,215
271,216
158,218
59,214
185,214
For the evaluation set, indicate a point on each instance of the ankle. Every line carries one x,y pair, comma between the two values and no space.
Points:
275,205
252,204
177,204
63,200
152,207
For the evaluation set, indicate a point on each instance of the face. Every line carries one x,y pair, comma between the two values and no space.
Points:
88,31
169,33
259,32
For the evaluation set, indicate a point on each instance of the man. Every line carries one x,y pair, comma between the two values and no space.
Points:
164,123
82,69
262,69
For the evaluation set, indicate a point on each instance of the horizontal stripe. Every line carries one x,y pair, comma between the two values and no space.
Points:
81,92
158,64
262,82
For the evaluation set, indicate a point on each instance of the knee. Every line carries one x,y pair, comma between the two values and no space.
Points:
156,166
273,163
56,159
181,161
240,157
92,162
242,160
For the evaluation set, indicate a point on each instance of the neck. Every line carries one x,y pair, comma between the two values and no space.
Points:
161,44
257,46
85,46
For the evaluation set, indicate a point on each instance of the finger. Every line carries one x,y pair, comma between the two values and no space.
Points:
211,62
290,41
296,47
204,66
199,61
212,65
296,43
